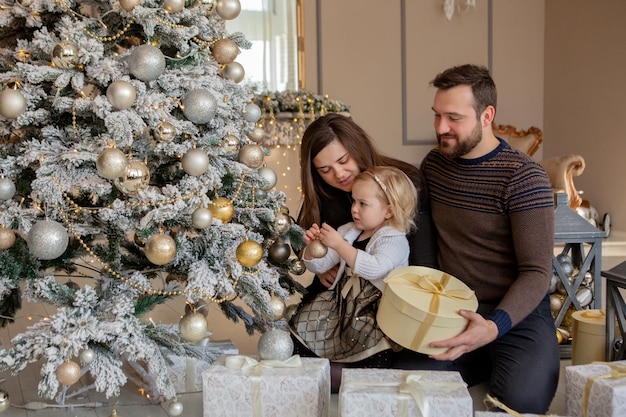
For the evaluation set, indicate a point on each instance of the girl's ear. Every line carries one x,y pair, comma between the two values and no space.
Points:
388,212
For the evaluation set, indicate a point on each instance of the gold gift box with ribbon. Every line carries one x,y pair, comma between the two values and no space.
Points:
588,336
420,305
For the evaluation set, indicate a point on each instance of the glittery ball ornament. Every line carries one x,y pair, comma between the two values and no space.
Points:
160,249
68,373
4,401
258,134
249,253
64,55
87,356
164,132
317,249
129,5
222,209
7,238
234,72
199,106
251,156
12,103
281,224
201,218
146,62
111,163
193,327
268,175
7,189
195,162
121,94
228,9
278,307
279,252
275,344
136,178
252,112
47,240
225,51
175,408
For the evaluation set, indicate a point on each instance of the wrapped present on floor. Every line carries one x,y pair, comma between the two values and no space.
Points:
393,392
186,373
420,305
507,411
243,387
596,390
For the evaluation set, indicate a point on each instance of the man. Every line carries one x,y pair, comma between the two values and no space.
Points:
493,210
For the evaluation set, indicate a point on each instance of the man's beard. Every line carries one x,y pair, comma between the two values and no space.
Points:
462,147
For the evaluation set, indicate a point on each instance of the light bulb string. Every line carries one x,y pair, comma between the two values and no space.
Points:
77,17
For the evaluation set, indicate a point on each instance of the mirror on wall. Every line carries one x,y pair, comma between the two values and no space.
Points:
274,27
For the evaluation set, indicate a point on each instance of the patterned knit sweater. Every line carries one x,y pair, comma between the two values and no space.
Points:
495,220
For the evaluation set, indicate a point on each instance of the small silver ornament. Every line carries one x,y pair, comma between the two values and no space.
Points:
195,162
584,296
588,278
269,178
175,408
234,72
193,327
297,266
146,62
7,238
278,307
228,9
199,106
87,356
164,132
160,249
64,55
258,134
47,240
173,6
225,51
279,251
275,344
111,163
121,94
7,189
129,5
231,144
260,194
251,156
252,113
201,218
281,224
12,103
5,401
136,178
317,249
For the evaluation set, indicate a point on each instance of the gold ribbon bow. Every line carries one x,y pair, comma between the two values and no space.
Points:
618,370
353,283
246,362
489,400
412,386
428,284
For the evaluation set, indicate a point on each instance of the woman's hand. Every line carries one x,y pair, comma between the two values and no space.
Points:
328,278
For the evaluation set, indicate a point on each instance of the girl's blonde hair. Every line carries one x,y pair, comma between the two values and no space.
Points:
396,189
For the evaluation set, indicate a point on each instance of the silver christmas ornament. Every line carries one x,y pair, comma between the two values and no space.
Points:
136,178
121,94
146,62
160,249
260,194
164,132
173,6
225,51
201,218
275,344
64,55
282,224
87,356
228,9
269,178
7,238
129,5
4,401
47,240
251,156
195,162
297,266
193,327
231,144
252,112
111,163
175,408
199,106
234,72
7,189
317,249
12,103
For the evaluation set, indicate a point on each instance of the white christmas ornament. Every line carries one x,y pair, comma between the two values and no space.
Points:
7,189
195,162
174,5
87,356
121,94
201,218
252,112
12,103
129,5
199,106
111,163
228,9
146,62
47,240
234,72
269,178
275,344
175,408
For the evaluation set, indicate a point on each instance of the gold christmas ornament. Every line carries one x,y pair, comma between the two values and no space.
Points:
121,94
147,62
222,209
111,163
7,238
129,5
47,240
297,266
278,307
258,133
249,253
231,144
225,51
195,162
282,224
228,9
64,55
201,218
556,302
136,178
251,156
4,401
68,373
160,249
317,249
193,327
234,72
12,103
164,132
7,189
173,6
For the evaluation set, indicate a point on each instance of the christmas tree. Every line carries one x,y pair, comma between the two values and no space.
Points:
131,156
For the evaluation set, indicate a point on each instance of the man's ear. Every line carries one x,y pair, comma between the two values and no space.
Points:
489,114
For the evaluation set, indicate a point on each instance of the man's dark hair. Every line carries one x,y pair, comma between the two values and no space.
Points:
477,77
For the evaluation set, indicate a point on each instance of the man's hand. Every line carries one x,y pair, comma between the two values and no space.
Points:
479,332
